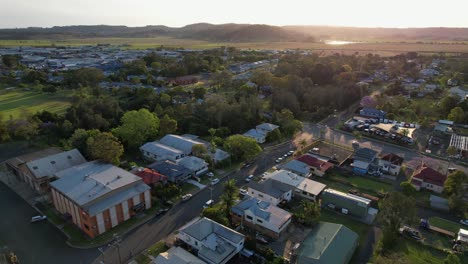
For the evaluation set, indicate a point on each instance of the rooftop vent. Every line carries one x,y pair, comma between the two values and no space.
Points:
35,167
52,162
69,157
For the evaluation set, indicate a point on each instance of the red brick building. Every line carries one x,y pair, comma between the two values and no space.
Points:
427,178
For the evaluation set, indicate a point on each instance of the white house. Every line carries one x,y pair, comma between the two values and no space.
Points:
391,164
215,243
262,216
156,151
270,191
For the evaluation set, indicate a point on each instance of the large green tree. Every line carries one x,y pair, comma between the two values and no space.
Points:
79,138
242,147
396,210
167,125
455,187
137,127
457,115
308,213
4,134
106,147
84,77
229,197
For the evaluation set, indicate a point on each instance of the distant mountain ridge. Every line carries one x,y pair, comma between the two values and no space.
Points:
239,33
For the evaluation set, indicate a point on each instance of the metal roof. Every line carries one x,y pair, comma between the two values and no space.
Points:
49,165
263,210
273,188
201,228
459,142
296,166
179,142
177,255
267,126
300,183
192,163
91,181
160,149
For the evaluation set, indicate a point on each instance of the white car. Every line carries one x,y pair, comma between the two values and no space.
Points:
278,160
38,218
243,191
214,181
290,152
464,222
210,174
249,178
186,197
209,203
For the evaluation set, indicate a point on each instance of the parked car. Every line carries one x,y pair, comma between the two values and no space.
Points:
249,178
290,152
451,169
246,165
38,218
214,181
161,211
243,191
261,239
186,197
209,203
210,174
285,156
464,222
278,160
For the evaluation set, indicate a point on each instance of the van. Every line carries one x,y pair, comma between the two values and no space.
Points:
209,203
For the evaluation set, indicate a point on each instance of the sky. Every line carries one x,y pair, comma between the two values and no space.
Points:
177,13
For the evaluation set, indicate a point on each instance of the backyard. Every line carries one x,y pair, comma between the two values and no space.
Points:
16,102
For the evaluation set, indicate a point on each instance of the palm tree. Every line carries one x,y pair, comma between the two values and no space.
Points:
229,197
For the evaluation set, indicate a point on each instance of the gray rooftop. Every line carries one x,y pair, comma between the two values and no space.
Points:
169,169
179,142
264,210
273,188
365,154
267,127
296,166
96,186
253,133
160,149
177,255
49,165
192,163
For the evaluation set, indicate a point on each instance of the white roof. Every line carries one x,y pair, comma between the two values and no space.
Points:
459,142
179,142
160,149
177,255
297,181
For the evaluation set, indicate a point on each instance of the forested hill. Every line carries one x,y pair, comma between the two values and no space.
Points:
202,31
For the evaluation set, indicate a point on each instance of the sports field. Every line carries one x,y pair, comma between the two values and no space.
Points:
15,103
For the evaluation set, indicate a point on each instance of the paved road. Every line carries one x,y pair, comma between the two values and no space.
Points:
159,228
37,242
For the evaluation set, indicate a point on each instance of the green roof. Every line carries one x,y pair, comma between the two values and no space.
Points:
328,243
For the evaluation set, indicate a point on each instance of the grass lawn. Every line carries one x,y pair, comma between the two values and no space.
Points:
416,253
157,248
14,103
143,259
446,224
346,183
188,188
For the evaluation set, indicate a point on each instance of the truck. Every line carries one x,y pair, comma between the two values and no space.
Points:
424,223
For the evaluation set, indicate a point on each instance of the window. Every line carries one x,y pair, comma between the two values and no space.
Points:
249,217
196,243
86,226
260,221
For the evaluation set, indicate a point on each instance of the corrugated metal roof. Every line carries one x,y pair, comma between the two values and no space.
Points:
179,142
49,165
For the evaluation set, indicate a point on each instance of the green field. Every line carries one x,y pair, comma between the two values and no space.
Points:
382,48
15,103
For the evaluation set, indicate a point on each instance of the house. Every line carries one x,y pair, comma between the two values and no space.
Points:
317,166
460,92
38,169
270,191
372,113
150,176
266,128
211,241
99,196
194,164
427,178
303,187
156,151
391,164
217,155
184,80
328,243
429,72
355,205
177,255
259,137
175,173
261,216
363,157
179,142
297,167
430,87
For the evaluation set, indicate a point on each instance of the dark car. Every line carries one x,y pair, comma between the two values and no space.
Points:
161,211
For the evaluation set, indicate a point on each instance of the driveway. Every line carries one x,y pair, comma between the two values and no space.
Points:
38,242
197,184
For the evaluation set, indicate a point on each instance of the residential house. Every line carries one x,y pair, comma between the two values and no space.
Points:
391,164
156,151
460,92
303,187
328,243
297,167
270,191
99,196
429,72
261,216
217,155
266,128
354,205
372,113
177,255
427,178
150,176
38,169
194,164
179,142
317,166
211,241
175,173
259,136
363,158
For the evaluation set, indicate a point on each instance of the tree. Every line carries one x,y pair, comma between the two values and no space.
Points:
407,188
303,143
137,127
357,135
216,214
106,147
79,138
10,61
23,128
35,76
199,92
390,259
457,115
452,259
448,103
4,134
167,125
396,209
405,132
455,187
229,196
199,150
308,213
84,77
168,191
242,147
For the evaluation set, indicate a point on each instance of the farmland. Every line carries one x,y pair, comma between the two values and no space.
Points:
16,102
383,48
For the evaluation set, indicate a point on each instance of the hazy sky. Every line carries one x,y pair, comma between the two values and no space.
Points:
361,13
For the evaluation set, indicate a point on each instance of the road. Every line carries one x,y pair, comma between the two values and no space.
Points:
33,243
181,213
